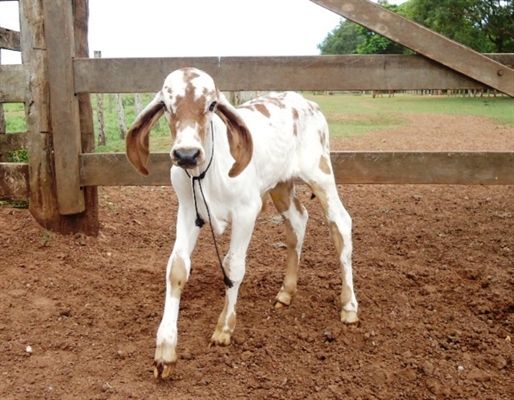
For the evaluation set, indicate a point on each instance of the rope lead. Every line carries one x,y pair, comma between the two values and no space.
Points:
199,222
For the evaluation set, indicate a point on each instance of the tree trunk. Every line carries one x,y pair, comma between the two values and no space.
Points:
121,116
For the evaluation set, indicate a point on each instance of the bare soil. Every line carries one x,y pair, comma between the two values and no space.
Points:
433,267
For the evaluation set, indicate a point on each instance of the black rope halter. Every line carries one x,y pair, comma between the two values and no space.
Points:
199,222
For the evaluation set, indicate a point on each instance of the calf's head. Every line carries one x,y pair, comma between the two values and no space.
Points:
189,98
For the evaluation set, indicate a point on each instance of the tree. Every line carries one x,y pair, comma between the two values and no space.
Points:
344,39
484,25
496,19
350,38
374,43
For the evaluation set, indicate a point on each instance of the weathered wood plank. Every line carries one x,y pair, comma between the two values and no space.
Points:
14,181
113,169
462,168
42,198
346,72
64,107
89,223
9,39
12,87
124,70
424,41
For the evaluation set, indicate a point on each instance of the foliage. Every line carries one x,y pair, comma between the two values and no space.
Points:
18,156
480,24
484,25
14,203
496,19
344,39
374,43
350,38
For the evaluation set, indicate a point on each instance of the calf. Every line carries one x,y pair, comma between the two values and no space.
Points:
225,160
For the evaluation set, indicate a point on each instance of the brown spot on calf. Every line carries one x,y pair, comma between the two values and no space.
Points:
178,276
324,165
262,109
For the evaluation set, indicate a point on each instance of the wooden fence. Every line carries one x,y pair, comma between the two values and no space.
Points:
57,77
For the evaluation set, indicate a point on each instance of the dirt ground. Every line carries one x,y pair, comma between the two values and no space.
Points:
434,274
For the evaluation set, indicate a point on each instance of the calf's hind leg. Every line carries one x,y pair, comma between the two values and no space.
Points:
295,215
324,187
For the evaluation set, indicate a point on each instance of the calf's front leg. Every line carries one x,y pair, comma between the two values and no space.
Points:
234,265
177,274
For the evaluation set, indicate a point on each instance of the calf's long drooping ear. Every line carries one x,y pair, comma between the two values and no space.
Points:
239,137
138,136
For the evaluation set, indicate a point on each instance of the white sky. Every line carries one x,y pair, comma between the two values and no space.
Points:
180,28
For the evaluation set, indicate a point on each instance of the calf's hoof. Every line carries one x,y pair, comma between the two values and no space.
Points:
164,360
349,317
220,338
283,299
163,370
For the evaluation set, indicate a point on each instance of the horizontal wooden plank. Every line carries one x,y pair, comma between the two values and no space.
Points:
12,141
463,168
456,168
14,181
12,87
9,39
345,72
425,41
113,169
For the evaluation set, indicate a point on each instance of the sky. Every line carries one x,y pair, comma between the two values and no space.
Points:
185,28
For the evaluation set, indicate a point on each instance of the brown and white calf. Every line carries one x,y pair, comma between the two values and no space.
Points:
260,147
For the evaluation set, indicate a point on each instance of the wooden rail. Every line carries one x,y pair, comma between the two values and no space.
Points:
9,39
14,181
12,88
373,72
347,72
11,142
398,168
459,168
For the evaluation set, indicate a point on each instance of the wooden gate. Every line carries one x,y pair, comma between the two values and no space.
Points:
57,76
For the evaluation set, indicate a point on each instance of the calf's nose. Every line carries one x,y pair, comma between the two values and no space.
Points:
186,157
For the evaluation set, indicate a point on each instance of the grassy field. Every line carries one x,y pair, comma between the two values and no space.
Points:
350,115
347,114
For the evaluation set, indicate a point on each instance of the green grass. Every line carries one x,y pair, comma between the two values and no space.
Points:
347,114
15,117
350,115
160,138
14,203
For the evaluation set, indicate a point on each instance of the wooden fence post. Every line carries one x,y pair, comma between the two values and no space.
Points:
90,224
100,111
43,198
138,103
64,105
121,116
